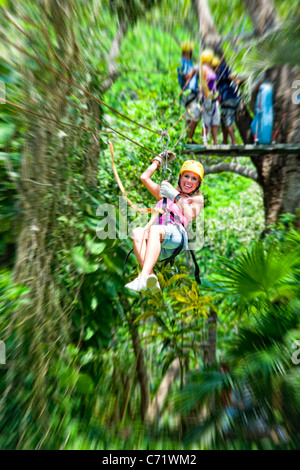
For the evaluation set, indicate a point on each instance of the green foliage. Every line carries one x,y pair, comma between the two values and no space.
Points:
132,10
245,394
10,159
248,401
278,48
258,276
77,356
11,295
261,276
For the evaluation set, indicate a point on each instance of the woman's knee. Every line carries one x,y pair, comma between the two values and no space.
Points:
157,231
139,233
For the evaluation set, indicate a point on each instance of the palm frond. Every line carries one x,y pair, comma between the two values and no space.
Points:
204,433
201,386
256,276
276,48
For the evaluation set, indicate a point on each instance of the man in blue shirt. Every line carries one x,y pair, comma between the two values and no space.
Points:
230,97
190,89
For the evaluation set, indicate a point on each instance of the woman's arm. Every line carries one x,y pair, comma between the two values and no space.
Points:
190,206
154,188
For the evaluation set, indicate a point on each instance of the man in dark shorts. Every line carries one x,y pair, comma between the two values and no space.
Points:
227,84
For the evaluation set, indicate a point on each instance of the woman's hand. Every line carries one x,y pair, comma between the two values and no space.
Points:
167,190
195,199
191,206
161,159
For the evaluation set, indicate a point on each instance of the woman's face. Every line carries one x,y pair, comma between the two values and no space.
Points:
189,181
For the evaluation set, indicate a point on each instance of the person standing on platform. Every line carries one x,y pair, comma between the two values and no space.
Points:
189,85
227,84
209,94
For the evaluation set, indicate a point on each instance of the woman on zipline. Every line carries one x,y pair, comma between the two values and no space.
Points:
161,240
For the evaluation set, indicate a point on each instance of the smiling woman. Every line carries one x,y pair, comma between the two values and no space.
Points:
167,236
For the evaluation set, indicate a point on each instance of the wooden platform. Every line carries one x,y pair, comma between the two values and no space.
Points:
242,150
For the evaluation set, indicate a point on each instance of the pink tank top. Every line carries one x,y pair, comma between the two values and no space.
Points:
171,207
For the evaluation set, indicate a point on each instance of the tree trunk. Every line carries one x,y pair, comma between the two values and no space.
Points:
207,29
116,391
141,368
278,175
212,337
40,327
163,390
262,14
112,68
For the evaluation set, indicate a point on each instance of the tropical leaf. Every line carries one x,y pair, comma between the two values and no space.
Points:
93,247
276,48
145,315
175,278
167,362
204,433
6,132
80,261
206,384
84,385
255,278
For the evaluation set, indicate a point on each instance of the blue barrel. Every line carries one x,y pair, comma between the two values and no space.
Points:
262,124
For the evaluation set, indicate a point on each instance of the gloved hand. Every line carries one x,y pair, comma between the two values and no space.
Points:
167,190
161,158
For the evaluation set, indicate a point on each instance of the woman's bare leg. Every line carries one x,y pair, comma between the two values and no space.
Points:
191,129
231,133
140,237
214,131
155,236
225,135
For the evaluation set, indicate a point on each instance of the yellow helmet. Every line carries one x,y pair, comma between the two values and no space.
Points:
207,55
193,165
215,61
187,46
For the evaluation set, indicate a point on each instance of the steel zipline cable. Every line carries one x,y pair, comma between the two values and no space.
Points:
99,101
51,69
71,82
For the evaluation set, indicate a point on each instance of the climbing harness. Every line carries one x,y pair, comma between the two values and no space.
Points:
178,250
193,108
175,220
170,216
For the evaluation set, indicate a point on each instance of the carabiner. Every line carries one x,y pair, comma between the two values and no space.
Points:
170,174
